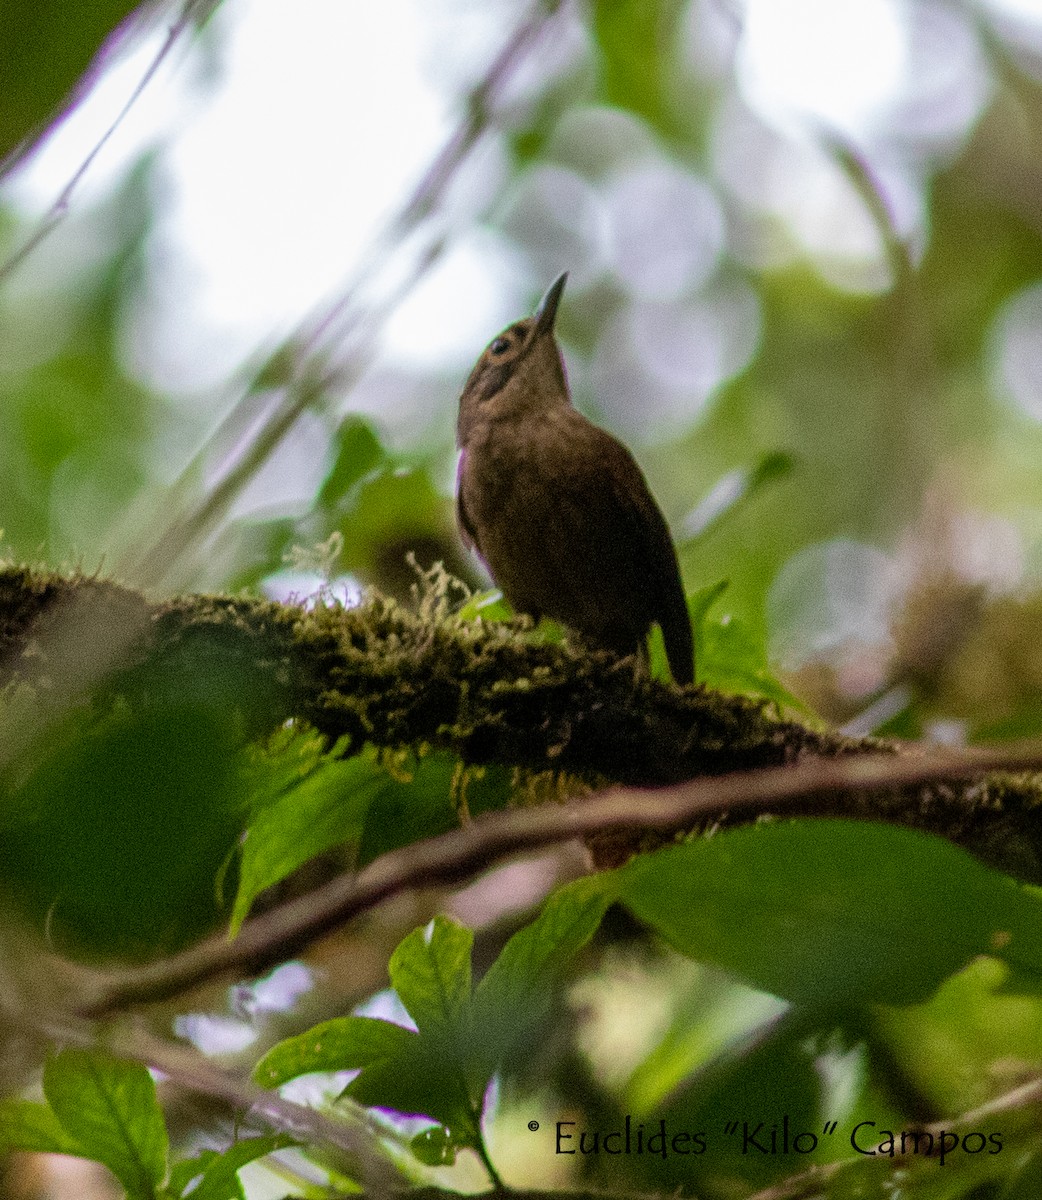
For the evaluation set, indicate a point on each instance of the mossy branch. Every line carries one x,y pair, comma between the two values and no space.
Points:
394,677
492,693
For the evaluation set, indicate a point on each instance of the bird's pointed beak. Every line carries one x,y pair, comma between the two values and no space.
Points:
546,313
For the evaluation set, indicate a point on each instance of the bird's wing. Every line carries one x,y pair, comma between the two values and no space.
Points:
646,528
466,525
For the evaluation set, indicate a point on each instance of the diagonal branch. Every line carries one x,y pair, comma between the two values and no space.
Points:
59,209
290,928
303,364
1026,1097
353,1132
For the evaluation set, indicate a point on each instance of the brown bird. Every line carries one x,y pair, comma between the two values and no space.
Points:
557,508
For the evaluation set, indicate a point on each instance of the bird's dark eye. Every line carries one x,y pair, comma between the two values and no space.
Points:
500,345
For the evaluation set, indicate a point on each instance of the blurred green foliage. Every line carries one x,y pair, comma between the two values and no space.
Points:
829,945
78,429
114,833
102,1108
903,973
634,40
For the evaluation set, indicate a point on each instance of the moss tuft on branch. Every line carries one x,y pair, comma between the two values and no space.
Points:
399,678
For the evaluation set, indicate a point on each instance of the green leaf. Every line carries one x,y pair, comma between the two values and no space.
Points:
218,1170
698,604
731,659
399,1070
732,494
421,1083
44,51
834,912
286,758
701,601
727,655
511,1000
425,1072
417,805
430,971
25,1125
443,1069
434,1147
110,1108
398,506
325,809
635,40
486,606
120,826
343,1044
358,453
657,660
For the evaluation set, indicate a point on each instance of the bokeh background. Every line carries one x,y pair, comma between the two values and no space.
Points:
804,245
804,257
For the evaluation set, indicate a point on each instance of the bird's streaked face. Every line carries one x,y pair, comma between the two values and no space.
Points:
519,373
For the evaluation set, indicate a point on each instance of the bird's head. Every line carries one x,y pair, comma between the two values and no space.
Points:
520,372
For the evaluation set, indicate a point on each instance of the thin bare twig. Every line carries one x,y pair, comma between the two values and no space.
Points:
59,209
859,171
454,856
31,1011
354,1133
312,386
308,350
811,1182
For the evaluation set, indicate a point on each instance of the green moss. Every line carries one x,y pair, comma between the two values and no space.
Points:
406,678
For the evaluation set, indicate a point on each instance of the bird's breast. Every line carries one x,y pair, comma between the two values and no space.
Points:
513,470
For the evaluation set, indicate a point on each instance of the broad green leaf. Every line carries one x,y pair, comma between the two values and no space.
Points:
308,802
326,808
343,1044
289,756
121,825
424,1072
421,1083
25,1125
430,971
976,1020
399,1070
834,912
732,659
443,1069
110,1108
511,999
727,655
398,506
418,804
217,1171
